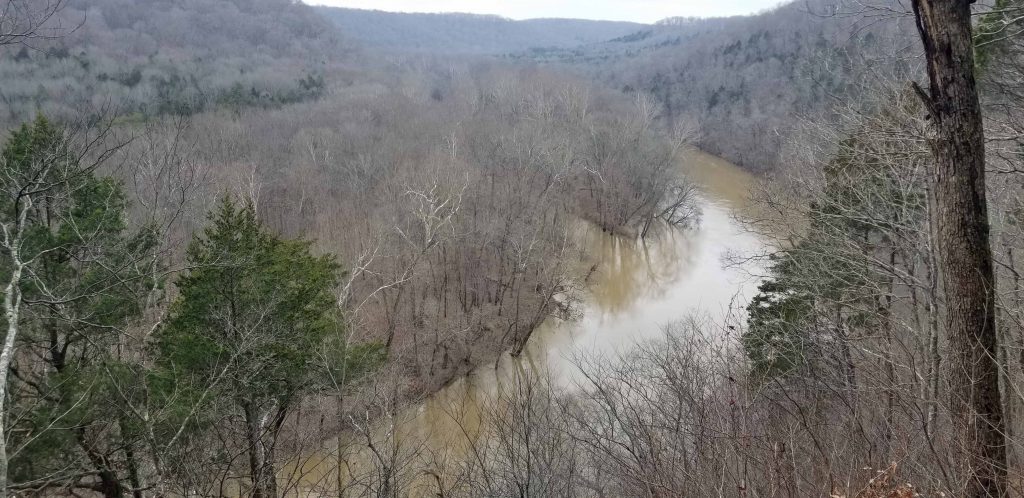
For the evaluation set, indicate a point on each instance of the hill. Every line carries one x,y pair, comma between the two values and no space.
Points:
468,33
161,56
745,81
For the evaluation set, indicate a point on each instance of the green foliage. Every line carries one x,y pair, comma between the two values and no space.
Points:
254,329
30,145
348,363
313,83
254,304
82,287
239,96
870,208
255,324
78,234
992,32
75,407
776,339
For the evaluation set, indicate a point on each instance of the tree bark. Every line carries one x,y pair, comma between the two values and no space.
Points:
253,436
965,254
12,309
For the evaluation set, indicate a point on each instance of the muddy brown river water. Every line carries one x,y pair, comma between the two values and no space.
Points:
637,290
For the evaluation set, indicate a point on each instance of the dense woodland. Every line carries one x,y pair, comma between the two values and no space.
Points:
467,33
240,238
144,58
742,81
225,252
745,80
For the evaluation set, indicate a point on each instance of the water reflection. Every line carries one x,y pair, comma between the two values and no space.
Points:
633,271
639,287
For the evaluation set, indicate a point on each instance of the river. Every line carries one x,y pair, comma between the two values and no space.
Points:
636,291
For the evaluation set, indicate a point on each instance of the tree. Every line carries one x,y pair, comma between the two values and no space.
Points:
995,32
69,263
777,337
255,309
962,239
24,20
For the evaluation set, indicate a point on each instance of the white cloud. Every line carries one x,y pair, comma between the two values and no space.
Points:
619,10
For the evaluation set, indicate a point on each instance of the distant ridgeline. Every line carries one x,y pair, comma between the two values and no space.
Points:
153,57
469,34
744,81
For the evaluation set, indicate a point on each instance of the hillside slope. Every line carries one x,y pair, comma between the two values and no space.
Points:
745,81
161,56
468,33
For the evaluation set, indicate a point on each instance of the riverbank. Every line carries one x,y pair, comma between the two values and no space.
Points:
637,289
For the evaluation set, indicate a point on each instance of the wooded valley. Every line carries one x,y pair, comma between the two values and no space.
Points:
260,248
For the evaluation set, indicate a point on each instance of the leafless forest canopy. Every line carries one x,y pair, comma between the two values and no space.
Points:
468,33
245,244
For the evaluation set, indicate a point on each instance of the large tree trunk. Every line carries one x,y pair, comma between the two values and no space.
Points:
965,255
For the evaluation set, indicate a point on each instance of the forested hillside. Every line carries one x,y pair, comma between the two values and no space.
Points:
468,33
249,251
216,222
745,81
161,57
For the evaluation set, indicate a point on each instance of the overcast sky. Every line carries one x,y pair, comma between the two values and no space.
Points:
618,10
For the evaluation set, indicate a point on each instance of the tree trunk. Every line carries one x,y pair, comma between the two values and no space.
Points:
270,451
253,438
965,255
12,308
109,484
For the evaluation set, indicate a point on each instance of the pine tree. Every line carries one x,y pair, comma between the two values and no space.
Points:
69,262
256,309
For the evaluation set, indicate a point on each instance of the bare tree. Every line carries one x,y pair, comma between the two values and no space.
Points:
22,21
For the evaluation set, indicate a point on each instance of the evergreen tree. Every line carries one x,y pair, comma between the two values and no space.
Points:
838,278
777,338
70,263
256,309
